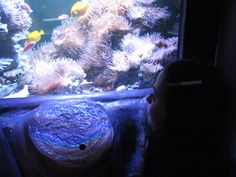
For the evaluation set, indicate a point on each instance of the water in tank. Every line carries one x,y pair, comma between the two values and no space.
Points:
50,47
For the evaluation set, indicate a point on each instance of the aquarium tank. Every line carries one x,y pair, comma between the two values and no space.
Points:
61,47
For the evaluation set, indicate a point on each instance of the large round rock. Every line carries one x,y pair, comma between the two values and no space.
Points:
72,133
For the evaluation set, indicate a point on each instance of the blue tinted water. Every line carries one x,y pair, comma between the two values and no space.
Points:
106,49
47,9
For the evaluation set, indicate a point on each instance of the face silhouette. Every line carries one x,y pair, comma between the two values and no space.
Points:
156,99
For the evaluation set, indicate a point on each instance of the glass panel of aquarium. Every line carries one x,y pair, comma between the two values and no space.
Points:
50,47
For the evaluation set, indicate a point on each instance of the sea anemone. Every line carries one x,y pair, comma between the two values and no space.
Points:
153,14
155,37
134,50
148,15
106,79
139,52
136,12
150,68
43,52
164,48
109,22
145,2
140,44
117,7
120,62
69,38
138,48
131,56
47,76
95,53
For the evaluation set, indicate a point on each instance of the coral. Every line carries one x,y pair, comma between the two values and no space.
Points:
14,23
15,14
114,43
46,76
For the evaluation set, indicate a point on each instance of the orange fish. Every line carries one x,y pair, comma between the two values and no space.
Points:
28,46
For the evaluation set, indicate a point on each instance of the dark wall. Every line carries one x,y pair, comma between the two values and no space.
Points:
210,35
201,29
226,63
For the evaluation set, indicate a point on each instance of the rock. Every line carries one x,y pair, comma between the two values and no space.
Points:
85,85
3,31
7,64
122,87
7,89
21,94
7,48
71,133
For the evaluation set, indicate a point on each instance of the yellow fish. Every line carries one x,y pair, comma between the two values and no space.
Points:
79,8
35,36
32,39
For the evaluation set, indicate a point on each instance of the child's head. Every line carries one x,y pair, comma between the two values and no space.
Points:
184,87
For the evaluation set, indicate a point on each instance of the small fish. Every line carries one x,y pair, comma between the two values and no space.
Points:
32,39
28,46
35,36
63,17
59,18
50,19
79,8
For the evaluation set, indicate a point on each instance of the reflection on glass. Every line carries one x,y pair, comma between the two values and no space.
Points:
74,47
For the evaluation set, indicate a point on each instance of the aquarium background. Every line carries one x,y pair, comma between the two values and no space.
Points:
48,9
46,49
